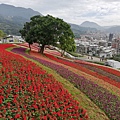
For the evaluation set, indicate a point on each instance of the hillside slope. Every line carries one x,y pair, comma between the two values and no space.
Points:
13,18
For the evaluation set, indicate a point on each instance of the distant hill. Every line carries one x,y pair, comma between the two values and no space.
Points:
114,29
78,30
91,25
107,29
12,11
13,18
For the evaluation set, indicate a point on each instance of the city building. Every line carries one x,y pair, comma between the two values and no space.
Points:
12,39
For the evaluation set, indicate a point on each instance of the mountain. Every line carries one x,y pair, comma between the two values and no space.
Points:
91,25
113,29
78,30
107,29
13,18
12,11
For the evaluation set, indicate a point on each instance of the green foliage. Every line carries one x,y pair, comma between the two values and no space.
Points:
75,54
9,26
26,33
48,30
100,63
116,57
66,40
79,30
12,18
2,34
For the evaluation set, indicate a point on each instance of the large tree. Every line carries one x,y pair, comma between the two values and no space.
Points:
66,39
26,33
48,30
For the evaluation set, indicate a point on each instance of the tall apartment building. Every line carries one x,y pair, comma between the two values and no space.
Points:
116,45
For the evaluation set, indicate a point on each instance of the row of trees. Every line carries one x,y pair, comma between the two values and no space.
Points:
48,30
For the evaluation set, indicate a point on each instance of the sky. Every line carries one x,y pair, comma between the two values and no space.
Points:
103,12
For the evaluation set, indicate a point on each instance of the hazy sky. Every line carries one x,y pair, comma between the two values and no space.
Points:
103,12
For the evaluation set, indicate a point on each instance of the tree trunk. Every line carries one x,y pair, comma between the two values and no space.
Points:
62,54
39,48
42,49
29,46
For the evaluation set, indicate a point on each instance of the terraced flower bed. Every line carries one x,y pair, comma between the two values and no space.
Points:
100,71
27,92
114,75
107,69
88,71
108,102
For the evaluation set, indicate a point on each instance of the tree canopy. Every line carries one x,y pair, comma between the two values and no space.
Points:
48,30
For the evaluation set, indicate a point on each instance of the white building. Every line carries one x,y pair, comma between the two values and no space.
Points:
107,52
12,39
113,63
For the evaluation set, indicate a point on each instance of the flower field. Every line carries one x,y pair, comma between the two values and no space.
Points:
92,70
27,92
102,68
35,47
106,100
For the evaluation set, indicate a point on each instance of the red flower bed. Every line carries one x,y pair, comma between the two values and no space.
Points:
28,92
99,70
110,70
35,47
53,52
103,98
72,64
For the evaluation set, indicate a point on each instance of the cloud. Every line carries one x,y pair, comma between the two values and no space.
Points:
111,1
104,12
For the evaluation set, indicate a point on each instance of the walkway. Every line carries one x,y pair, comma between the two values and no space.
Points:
88,58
